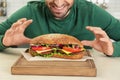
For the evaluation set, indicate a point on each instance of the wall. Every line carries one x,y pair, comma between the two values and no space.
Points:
114,8
13,5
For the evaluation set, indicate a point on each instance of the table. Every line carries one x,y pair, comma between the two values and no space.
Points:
108,68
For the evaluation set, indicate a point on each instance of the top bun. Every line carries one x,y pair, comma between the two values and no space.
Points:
55,39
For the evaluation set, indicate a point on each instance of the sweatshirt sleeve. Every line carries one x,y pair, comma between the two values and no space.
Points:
1,45
116,49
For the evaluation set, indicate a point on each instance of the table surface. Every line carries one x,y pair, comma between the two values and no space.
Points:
108,68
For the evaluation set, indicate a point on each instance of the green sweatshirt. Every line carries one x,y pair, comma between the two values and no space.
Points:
82,14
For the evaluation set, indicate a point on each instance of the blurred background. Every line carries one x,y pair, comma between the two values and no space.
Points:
7,7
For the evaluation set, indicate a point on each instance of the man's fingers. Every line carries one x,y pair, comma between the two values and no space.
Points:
27,23
22,20
21,24
97,31
18,23
15,25
87,43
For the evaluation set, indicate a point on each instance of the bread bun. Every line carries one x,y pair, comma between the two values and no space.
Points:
56,39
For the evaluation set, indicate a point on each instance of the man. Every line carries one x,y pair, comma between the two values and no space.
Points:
79,18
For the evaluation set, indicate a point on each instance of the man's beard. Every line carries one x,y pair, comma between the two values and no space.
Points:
62,16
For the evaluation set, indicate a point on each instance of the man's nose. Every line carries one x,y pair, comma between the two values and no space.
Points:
59,3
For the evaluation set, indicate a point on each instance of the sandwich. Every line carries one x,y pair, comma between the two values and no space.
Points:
56,45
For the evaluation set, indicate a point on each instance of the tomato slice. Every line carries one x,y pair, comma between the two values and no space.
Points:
72,49
39,48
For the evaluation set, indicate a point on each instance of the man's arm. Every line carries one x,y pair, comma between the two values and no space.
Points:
4,26
105,27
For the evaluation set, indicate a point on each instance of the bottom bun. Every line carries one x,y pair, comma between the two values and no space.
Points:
76,56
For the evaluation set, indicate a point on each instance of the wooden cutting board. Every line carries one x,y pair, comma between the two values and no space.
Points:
55,68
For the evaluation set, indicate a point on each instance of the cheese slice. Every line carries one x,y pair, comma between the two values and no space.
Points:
43,51
67,52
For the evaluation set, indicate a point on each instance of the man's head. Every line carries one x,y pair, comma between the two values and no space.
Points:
59,8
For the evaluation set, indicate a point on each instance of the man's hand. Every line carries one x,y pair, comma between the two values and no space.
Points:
102,42
15,35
